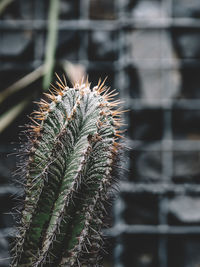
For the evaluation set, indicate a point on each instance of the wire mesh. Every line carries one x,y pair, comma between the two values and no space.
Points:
145,49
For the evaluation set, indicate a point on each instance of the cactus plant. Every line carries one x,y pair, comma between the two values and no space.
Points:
73,143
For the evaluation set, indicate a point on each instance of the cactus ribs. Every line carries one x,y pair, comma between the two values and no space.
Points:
73,143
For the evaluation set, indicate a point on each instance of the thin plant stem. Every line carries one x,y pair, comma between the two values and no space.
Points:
22,83
4,4
8,117
51,42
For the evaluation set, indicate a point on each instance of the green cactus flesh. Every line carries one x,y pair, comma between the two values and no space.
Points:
73,146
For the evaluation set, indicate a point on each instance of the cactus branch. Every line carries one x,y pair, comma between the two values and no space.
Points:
73,144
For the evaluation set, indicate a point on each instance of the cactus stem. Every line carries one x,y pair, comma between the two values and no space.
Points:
73,142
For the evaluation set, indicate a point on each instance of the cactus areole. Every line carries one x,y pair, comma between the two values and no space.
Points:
73,144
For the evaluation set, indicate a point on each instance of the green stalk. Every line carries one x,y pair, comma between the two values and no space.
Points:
8,117
4,4
51,42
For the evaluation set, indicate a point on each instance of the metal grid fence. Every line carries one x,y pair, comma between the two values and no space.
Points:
141,53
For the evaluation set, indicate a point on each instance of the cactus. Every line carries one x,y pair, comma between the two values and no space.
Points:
73,143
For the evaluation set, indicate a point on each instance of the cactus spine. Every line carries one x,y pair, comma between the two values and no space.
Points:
73,146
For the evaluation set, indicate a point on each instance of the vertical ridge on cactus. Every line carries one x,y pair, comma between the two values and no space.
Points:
74,141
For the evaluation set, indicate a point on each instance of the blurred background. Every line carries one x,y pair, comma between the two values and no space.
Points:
150,51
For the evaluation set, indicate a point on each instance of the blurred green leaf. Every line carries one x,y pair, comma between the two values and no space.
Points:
22,83
4,4
8,117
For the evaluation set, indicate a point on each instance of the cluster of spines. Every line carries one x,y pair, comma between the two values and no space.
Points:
49,131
